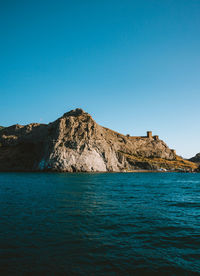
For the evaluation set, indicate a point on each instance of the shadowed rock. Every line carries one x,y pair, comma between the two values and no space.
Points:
196,158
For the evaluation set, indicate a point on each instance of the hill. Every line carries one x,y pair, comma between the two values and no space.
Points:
196,158
76,143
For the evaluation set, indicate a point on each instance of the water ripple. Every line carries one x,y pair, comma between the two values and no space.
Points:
99,224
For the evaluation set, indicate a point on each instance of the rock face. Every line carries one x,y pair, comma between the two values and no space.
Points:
196,158
76,143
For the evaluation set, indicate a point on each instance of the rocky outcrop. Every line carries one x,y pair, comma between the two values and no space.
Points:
196,158
76,143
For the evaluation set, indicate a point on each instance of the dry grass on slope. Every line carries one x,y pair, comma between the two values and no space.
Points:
178,164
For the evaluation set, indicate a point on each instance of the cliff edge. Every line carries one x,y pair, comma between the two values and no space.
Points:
76,143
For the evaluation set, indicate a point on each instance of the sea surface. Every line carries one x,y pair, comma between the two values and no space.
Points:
99,224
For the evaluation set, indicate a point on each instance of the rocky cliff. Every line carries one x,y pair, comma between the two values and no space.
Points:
76,143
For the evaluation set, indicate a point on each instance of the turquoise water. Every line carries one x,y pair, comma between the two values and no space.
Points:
99,224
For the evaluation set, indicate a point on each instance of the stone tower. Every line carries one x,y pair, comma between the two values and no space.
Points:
149,134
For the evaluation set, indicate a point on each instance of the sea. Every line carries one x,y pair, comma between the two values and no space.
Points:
99,224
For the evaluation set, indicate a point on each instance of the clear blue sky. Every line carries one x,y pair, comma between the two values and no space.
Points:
133,65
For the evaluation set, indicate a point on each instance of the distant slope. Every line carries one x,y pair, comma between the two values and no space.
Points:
76,143
195,159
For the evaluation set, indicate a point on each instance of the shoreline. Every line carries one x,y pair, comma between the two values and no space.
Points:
96,172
